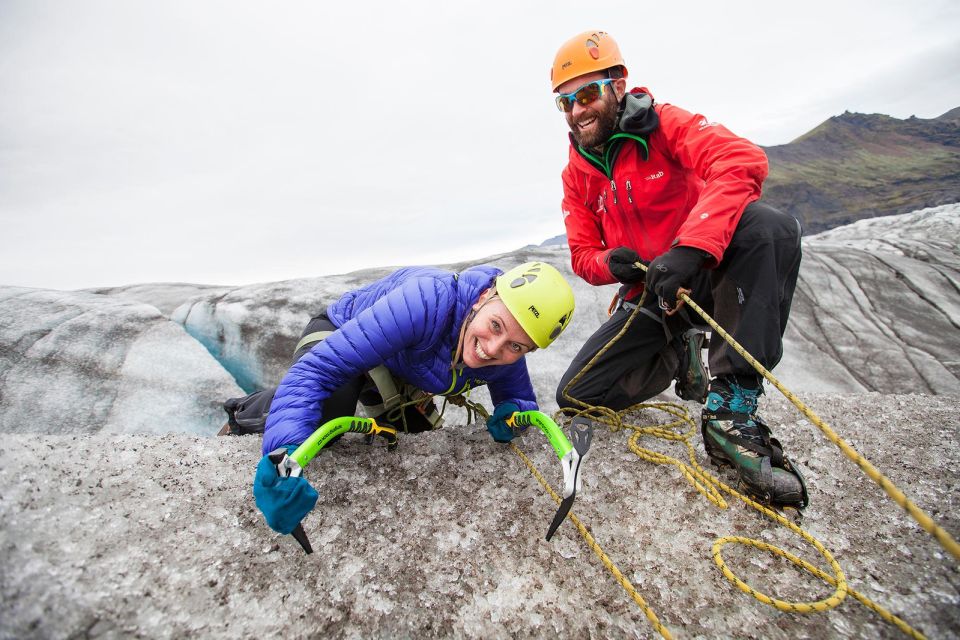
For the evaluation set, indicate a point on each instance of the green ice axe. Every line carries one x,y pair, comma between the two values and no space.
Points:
292,465
571,455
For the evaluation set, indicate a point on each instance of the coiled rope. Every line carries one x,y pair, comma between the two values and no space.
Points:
708,485
918,514
604,558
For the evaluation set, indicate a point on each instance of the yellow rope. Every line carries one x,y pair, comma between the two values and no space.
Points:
708,485
607,562
918,514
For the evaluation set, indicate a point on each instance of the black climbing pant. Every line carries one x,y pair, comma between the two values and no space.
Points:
749,294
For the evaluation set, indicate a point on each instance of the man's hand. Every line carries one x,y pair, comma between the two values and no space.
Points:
497,423
284,502
671,271
622,264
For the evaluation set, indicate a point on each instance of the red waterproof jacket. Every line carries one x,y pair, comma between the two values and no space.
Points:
668,177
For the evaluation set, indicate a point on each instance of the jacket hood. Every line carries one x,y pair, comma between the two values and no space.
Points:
637,118
637,115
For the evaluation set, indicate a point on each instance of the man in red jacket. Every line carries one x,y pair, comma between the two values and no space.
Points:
652,183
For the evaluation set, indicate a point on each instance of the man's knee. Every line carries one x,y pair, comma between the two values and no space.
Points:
762,223
765,239
606,389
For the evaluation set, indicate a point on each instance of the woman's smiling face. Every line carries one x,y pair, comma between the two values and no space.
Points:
494,337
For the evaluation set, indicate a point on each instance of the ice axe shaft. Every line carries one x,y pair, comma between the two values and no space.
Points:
570,455
581,433
294,464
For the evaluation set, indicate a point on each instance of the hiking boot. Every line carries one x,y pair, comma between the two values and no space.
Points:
230,427
692,375
734,434
236,426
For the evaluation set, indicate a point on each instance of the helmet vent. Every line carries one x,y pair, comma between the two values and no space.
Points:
539,298
527,277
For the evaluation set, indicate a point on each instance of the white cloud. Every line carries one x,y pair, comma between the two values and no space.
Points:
243,141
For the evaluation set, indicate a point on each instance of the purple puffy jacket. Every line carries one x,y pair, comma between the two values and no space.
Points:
410,322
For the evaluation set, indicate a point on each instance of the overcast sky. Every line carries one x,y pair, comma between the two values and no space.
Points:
242,141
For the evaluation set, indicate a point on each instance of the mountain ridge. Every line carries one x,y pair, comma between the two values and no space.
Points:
854,166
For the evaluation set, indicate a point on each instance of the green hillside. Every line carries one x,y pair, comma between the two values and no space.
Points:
857,166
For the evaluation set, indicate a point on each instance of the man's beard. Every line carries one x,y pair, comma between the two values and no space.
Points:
605,126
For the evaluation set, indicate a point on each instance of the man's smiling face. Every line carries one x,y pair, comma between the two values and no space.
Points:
594,123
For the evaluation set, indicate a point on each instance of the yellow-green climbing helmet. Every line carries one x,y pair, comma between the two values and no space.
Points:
539,298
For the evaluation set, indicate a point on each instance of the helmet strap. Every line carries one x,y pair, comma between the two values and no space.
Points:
470,316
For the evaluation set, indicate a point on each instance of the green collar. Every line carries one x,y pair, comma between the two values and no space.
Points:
611,150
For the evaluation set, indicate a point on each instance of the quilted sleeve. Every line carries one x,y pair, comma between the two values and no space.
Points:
512,384
407,317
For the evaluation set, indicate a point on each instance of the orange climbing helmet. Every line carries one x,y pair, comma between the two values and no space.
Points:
584,53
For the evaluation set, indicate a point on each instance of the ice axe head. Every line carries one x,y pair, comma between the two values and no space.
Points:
581,435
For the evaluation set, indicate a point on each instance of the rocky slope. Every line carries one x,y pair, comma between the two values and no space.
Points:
109,536
858,165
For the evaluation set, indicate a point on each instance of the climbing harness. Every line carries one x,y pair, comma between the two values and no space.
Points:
711,488
391,396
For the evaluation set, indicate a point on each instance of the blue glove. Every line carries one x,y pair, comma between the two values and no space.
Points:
497,423
283,501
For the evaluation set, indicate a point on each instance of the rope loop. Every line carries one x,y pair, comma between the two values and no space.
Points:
711,487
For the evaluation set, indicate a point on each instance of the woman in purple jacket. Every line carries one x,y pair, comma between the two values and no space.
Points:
437,331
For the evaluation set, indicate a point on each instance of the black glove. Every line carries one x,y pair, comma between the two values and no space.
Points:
672,270
621,261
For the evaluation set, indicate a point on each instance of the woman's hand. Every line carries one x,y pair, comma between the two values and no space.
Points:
284,502
497,423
